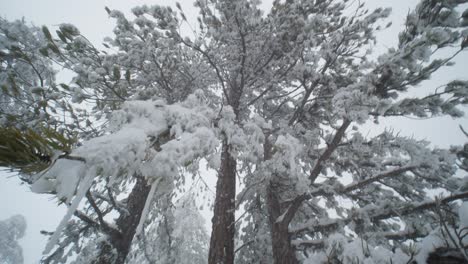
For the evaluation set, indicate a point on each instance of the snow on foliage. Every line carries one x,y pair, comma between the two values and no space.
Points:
130,148
340,248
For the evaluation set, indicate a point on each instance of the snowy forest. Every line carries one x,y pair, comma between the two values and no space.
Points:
271,104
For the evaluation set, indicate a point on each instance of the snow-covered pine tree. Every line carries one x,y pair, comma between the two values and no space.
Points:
296,80
275,99
29,93
102,230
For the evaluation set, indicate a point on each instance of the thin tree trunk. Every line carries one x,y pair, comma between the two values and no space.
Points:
222,235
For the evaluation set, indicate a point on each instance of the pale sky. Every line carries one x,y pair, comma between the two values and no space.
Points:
89,16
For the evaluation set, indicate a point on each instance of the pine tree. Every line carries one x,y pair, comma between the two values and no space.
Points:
274,100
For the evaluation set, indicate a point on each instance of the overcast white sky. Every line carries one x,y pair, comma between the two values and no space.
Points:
89,16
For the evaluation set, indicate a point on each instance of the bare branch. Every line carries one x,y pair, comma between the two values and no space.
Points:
103,224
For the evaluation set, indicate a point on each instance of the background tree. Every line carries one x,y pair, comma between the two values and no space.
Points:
179,237
12,229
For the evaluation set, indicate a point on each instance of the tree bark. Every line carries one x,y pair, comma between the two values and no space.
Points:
127,224
283,252
222,235
119,243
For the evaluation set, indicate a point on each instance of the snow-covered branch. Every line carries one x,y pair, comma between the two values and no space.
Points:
377,215
409,233
358,185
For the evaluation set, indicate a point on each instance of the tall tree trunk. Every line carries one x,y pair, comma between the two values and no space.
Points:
283,252
222,235
116,251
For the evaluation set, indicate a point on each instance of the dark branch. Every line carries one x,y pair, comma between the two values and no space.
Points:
104,225
329,151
